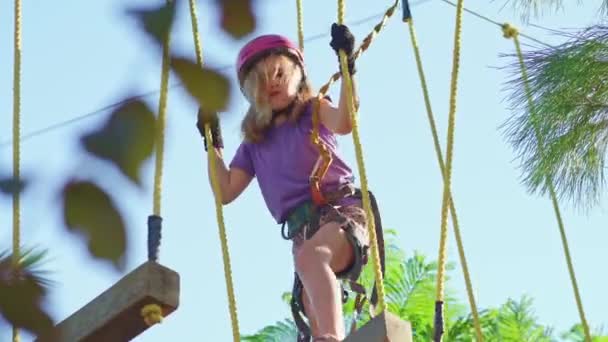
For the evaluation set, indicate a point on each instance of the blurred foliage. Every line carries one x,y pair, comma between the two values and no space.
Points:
90,211
126,140
23,287
208,87
238,18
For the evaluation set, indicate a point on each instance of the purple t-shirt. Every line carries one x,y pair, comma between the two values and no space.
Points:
283,162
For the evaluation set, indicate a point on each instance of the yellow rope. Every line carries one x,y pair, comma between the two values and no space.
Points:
365,44
439,155
216,189
314,137
448,166
511,32
160,127
16,146
152,314
364,190
300,13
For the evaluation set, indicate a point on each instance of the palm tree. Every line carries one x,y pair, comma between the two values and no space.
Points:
536,8
575,334
515,321
563,136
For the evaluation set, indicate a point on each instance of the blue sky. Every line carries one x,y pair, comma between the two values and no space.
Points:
81,56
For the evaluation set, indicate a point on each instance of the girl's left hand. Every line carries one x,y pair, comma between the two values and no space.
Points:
342,39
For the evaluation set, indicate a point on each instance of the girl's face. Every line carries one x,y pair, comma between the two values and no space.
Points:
278,79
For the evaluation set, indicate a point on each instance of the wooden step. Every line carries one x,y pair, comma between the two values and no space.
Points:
115,315
385,327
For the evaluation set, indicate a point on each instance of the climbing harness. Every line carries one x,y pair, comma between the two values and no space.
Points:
304,220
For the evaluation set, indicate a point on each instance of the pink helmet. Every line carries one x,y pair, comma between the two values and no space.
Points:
261,44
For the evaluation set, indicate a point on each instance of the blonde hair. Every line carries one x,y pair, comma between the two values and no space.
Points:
259,116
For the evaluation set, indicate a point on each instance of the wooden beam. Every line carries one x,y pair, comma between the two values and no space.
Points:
115,315
385,327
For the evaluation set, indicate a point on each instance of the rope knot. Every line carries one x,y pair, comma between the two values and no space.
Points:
152,314
509,31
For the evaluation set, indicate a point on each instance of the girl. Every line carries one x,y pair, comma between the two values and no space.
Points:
329,239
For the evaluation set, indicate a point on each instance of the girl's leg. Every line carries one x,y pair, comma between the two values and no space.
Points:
317,260
310,313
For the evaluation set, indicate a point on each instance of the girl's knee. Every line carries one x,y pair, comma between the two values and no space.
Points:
309,258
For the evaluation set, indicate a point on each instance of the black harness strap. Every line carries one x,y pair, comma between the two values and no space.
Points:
380,239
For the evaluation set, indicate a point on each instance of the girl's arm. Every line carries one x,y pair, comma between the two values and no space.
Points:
232,181
338,119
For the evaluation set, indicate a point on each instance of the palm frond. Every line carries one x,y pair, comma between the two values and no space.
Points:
517,322
533,8
528,9
23,287
284,330
563,136
576,334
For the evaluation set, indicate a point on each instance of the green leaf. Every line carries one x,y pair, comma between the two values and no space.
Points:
89,211
22,291
156,22
9,185
126,139
238,18
210,88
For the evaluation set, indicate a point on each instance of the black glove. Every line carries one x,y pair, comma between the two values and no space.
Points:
216,133
343,39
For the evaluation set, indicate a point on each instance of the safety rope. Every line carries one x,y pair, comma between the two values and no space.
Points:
325,157
300,13
152,313
365,44
439,308
346,78
511,32
160,128
439,154
216,189
16,145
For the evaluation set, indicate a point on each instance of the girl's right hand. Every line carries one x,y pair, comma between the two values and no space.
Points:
216,133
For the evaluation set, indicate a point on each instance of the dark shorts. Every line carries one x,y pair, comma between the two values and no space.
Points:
353,221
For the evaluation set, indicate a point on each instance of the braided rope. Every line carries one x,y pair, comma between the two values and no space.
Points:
439,313
16,145
216,189
300,13
325,157
511,32
439,156
160,128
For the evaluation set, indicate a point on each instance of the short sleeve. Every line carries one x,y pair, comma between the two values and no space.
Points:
242,159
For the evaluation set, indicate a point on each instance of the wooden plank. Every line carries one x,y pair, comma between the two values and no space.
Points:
385,327
115,315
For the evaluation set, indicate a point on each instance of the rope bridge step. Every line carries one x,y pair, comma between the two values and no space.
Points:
116,314
385,327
